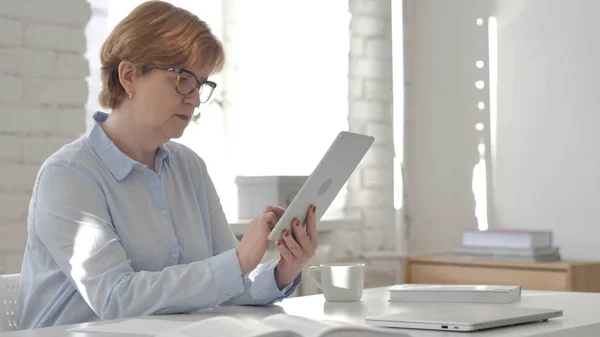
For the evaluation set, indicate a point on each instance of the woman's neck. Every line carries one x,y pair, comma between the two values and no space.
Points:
131,139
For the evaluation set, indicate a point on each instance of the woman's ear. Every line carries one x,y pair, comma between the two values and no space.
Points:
126,75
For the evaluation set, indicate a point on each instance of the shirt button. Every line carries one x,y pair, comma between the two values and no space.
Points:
174,254
163,211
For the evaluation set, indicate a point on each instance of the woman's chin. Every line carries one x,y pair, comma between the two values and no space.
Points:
173,133
178,134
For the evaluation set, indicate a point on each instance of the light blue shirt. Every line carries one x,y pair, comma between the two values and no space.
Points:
109,238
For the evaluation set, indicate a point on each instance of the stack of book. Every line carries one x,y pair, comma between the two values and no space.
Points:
455,293
509,244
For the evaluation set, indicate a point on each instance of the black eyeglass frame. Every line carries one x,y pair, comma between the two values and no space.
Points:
198,85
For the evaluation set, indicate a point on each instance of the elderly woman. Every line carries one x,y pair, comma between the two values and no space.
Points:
123,222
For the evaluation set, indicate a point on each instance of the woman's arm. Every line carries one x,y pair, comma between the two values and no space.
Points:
260,286
71,219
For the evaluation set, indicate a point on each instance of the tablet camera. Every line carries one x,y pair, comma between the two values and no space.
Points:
324,187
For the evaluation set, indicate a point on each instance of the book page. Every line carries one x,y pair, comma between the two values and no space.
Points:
137,326
225,326
313,328
304,326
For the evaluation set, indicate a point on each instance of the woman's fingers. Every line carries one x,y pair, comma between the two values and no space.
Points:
283,250
270,218
302,238
311,226
292,245
278,211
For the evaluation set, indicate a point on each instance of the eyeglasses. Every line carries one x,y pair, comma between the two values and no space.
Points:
187,82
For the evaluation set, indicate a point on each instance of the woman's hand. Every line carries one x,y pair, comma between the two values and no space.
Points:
255,242
295,253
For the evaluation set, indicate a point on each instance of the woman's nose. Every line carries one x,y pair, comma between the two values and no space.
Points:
193,99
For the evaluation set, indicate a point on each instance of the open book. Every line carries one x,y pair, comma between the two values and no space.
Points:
278,325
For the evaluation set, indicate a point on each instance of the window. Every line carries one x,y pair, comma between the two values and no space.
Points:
96,32
290,85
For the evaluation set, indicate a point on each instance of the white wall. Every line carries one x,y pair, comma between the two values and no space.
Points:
547,170
545,165
42,96
442,44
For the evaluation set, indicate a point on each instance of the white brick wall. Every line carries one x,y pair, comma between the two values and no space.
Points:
12,88
28,61
371,190
42,97
12,32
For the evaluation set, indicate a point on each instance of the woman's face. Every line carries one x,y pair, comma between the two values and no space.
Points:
160,107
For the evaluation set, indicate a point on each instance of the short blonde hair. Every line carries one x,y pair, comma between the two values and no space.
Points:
156,34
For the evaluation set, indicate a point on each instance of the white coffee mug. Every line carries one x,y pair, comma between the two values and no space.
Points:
340,282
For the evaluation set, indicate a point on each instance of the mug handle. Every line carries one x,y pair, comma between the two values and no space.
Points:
311,271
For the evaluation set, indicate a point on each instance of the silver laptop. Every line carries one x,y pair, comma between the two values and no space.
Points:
464,317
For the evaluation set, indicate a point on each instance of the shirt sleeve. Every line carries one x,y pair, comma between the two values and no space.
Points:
72,220
260,286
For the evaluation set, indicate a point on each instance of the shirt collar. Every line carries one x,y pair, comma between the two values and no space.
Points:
118,163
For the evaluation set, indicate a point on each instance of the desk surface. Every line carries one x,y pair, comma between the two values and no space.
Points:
580,311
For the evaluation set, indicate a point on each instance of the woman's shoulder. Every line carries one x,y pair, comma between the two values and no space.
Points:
77,154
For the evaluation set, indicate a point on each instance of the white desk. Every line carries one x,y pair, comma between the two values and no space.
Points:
581,310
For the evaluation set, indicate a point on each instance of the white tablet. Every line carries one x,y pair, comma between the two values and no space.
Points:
326,181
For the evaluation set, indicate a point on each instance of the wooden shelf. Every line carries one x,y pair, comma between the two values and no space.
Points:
450,269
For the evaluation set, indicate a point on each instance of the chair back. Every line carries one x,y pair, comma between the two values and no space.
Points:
9,291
